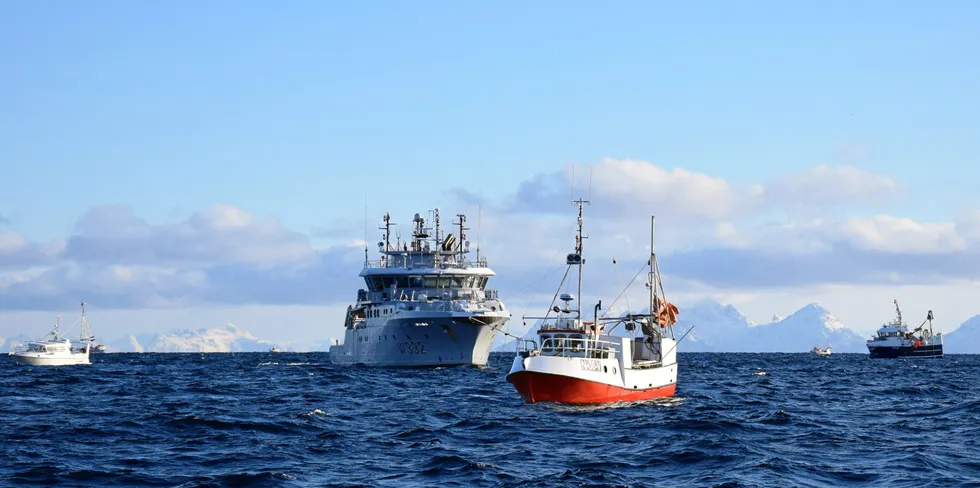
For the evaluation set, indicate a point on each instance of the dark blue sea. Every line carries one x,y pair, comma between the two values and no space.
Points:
262,419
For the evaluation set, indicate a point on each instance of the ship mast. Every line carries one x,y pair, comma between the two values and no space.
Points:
652,277
579,238
462,235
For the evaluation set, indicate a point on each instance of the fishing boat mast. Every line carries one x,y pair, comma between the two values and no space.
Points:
577,258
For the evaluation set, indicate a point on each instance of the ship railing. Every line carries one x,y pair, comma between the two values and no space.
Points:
429,295
527,347
398,262
580,348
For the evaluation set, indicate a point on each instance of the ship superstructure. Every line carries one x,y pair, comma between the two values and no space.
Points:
425,303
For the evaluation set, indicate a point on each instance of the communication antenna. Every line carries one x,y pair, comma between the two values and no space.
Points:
365,229
479,217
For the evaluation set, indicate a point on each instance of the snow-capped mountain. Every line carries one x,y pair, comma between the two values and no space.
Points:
712,327
965,339
10,343
809,326
219,339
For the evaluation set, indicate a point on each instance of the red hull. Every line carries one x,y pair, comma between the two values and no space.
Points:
544,387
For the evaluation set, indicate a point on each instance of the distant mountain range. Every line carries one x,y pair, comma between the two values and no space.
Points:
228,338
710,327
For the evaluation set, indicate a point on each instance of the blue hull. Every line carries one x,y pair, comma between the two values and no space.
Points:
921,352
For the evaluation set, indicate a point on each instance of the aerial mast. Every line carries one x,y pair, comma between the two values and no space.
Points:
462,234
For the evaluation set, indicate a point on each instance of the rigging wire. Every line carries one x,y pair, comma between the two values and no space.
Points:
624,291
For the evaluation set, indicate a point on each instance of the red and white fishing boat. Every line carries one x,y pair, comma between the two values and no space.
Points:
575,361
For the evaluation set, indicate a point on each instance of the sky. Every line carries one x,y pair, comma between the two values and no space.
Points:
188,164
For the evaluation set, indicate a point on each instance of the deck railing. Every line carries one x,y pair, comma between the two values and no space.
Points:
570,348
407,262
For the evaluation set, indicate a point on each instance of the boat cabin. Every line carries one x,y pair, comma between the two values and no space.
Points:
47,347
886,332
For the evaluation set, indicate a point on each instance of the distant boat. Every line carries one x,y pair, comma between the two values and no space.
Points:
893,340
275,349
98,348
55,350
821,352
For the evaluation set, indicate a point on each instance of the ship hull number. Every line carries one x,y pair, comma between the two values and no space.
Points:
411,347
591,365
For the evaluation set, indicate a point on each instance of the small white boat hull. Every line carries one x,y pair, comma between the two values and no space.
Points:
50,360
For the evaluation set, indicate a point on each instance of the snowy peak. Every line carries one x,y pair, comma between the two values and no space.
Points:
227,338
813,314
776,318
713,312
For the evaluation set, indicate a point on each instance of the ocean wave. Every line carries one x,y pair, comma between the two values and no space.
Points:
737,420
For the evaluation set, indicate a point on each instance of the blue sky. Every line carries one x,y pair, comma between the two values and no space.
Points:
300,113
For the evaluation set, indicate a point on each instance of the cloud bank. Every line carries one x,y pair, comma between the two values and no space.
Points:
822,225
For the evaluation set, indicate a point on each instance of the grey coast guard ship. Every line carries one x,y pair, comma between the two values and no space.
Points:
425,304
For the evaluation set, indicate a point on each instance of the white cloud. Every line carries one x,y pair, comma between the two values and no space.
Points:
831,186
903,235
220,234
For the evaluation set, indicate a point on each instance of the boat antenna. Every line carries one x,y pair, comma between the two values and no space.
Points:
365,229
462,235
57,323
929,318
652,278
479,219
898,311
576,259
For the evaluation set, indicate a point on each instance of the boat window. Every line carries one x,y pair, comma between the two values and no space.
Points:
546,342
458,281
467,282
560,342
431,282
401,281
370,283
378,283
444,282
416,282
388,281
483,282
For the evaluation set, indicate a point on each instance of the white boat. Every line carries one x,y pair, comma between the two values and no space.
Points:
579,362
821,352
275,349
425,304
55,350
894,340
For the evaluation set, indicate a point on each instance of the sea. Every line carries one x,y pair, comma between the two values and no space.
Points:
295,420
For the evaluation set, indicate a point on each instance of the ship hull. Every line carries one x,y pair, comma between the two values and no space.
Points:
590,380
37,360
443,341
932,351
537,387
